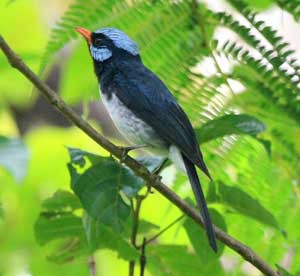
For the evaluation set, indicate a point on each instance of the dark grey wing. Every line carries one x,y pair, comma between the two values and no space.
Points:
147,96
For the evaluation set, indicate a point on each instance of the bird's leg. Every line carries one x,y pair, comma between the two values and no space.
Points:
157,171
126,150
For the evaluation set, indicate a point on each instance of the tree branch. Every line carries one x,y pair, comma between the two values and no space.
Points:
247,253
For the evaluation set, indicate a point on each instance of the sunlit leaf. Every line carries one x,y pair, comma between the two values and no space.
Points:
178,261
99,187
241,124
51,226
69,250
62,200
241,202
199,240
100,236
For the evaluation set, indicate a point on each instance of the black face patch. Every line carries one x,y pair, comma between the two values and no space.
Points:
100,41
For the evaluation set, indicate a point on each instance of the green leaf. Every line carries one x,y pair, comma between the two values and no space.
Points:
283,271
241,124
14,156
51,226
68,250
100,236
241,202
198,237
99,188
146,226
176,260
62,200
79,156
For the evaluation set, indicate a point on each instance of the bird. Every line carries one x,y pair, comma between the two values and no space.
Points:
144,110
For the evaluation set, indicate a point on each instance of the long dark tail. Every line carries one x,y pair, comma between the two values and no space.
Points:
196,186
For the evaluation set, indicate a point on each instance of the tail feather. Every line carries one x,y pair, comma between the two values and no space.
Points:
196,186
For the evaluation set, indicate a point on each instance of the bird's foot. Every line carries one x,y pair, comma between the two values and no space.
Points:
160,167
155,174
126,150
157,178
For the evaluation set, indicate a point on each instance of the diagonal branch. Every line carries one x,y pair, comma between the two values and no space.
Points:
247,253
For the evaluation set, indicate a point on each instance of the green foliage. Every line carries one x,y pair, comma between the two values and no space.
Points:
228,125
100,186
100,236
241,203
177,260
199,241
293,7
79,235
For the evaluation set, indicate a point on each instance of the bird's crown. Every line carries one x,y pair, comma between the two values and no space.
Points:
105,41
120,40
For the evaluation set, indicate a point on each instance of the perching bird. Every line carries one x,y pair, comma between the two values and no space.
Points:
144,110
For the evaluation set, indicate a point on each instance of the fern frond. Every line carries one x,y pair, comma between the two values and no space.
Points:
268,82
267,56
293,7
95,14
280,52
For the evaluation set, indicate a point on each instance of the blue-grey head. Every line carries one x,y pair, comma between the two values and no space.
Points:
106,42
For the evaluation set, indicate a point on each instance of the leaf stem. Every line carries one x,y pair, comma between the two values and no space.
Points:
143,257
92,266
163,230
135,226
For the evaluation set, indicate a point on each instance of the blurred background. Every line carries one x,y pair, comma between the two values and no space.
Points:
214,67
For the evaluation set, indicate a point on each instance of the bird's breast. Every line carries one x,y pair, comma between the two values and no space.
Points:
135,130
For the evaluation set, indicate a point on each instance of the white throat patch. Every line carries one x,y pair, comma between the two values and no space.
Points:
100,54
120,39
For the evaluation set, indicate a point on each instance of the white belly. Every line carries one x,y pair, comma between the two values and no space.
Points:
131,127
137,132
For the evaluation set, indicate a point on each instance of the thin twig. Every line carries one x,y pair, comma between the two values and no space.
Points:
92,266
143,259
164,230
247,253
135,225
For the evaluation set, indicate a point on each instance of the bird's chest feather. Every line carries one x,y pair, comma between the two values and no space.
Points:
130,126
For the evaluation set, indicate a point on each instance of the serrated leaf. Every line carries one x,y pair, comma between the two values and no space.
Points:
228,125
198,237
69,250
14,156
241,202
62,200
100,236
176,260
57,226
99,187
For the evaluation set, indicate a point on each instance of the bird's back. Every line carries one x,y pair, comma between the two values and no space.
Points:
142,92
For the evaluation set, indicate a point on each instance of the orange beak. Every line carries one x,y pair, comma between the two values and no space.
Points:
85,33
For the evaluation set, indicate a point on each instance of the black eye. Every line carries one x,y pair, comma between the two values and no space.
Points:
98,42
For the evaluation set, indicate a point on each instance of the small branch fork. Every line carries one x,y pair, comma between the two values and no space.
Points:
247,253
